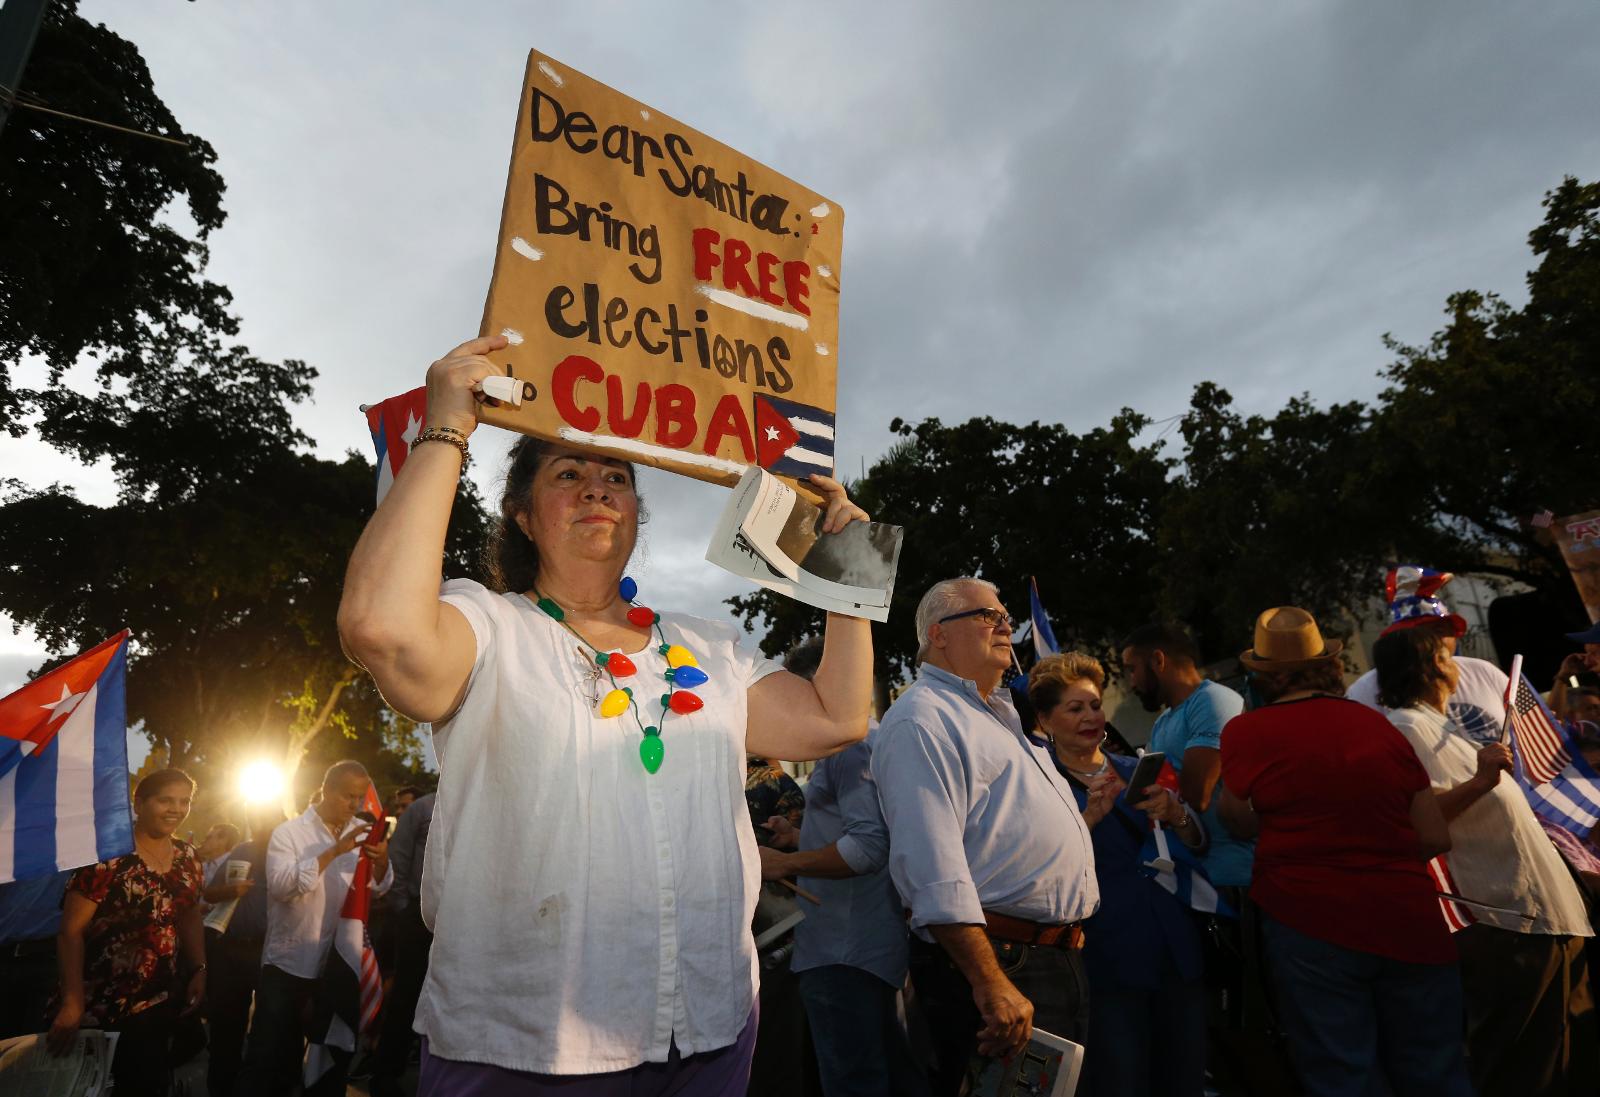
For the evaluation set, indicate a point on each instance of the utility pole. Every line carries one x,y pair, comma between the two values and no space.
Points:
19,26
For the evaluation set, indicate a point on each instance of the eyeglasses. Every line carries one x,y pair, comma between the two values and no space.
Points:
990,616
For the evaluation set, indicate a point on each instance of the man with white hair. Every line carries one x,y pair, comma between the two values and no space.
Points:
987,847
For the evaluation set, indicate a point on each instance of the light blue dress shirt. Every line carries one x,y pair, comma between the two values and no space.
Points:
860,923
978,817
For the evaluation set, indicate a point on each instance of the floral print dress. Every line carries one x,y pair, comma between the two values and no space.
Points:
130,950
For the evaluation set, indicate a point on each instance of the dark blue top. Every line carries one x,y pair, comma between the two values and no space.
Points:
1142,937
30,909
249,921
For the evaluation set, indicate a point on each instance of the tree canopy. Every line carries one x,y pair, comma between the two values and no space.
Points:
1473,434
224,551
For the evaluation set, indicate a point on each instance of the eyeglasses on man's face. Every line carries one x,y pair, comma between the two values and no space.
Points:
990,616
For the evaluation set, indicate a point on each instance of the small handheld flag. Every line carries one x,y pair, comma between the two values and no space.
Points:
1044,637
1559,783
64,766
351,988
394,423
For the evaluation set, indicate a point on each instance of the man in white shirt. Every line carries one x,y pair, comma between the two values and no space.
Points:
1478,705
310,863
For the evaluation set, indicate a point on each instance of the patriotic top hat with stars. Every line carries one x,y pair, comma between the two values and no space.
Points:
1413,594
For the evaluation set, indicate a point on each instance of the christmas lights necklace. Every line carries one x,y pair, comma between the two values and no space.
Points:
683,672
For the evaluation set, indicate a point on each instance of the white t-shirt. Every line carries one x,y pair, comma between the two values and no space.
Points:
1499,853
1478,705
587,913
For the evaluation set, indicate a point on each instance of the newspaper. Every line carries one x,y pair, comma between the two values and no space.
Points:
27,1069
221,915
771,535
1048,1067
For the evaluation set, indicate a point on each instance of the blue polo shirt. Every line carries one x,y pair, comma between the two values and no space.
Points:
861,922
1198,722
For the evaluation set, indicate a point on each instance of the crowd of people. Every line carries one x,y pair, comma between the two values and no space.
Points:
1343,874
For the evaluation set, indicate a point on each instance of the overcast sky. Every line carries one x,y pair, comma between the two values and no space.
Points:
1053,209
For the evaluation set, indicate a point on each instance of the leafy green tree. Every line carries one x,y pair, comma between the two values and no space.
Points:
1003,502
1286,509
90,260
224,551
1495,415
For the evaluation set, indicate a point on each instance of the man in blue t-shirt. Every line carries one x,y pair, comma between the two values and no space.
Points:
1161,662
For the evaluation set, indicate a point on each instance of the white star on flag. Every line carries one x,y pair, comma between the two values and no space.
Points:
413,427
60,709
772,434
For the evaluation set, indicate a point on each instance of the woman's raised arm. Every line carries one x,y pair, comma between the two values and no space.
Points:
796,720
418,650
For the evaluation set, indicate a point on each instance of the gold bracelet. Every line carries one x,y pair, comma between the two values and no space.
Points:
448,435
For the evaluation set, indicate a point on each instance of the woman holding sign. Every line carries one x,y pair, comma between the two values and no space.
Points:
591,873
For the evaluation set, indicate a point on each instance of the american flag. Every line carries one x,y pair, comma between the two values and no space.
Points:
1457,915
1559,783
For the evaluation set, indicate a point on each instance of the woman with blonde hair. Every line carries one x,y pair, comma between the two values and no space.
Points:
1142,949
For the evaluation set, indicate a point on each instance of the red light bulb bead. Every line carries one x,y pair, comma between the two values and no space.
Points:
683,702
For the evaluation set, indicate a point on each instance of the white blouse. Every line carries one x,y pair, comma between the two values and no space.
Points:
1499,854
586,913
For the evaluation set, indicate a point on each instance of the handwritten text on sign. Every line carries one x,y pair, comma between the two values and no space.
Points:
668,299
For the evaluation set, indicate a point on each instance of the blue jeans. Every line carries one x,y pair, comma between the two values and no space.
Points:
1355,1019
1146,1043
855,1027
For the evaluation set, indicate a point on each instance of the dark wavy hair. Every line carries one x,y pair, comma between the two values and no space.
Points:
1407,664
156,782
1324,677
510,558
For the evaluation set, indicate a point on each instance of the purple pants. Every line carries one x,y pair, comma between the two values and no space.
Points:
722,1072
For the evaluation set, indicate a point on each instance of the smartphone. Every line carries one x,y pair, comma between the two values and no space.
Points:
1145,773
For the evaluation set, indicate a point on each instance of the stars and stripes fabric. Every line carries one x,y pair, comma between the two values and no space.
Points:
394,424
793,439
64,799
1559,784
350,991
1044,637
1457,915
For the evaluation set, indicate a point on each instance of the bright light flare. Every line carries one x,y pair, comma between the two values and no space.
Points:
260,782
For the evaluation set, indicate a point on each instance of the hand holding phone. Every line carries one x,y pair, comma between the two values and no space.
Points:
1145,773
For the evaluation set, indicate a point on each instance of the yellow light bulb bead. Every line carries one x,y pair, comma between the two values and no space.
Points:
614,703
680,656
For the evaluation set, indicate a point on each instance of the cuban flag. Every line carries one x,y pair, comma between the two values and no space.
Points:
792,439
1044,637
394,424
350,992
64,766
1186,880
1558,782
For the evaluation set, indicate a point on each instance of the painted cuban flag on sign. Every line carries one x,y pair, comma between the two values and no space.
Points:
394,424
793,439
64,767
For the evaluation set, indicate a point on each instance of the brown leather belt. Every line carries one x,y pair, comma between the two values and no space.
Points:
1018,931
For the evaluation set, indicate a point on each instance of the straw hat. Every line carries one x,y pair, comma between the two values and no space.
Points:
1287,638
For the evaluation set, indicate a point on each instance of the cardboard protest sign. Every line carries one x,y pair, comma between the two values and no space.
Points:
668,299
1578,537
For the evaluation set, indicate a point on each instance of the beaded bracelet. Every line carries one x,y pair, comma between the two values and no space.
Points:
445,434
